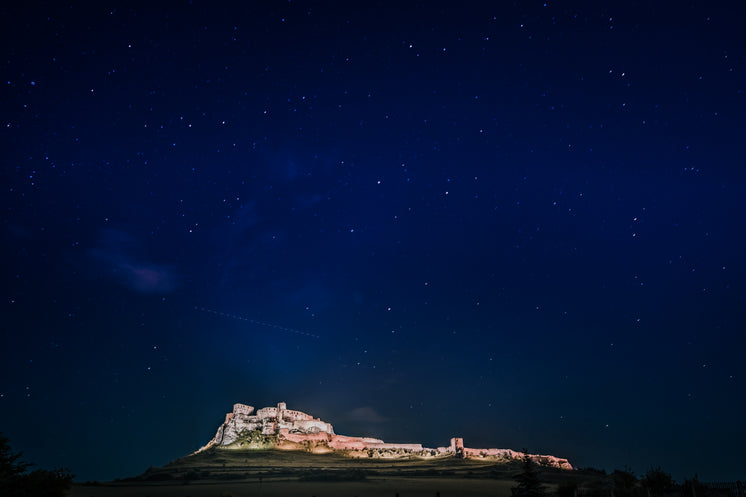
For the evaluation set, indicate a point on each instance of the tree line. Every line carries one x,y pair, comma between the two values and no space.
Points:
620,483
17,480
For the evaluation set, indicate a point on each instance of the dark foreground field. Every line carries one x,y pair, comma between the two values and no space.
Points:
372,487
273,473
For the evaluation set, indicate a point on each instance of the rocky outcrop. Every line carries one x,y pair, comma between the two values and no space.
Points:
270,421
282,428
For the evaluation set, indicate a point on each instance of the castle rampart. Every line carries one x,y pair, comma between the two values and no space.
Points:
289,415
267,412
301,428
242,409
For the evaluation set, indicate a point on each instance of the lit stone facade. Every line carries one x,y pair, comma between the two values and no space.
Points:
269,421
296,430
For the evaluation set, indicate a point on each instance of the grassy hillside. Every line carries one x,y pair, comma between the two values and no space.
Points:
242,472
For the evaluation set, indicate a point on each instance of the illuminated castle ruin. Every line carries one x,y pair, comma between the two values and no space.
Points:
283,428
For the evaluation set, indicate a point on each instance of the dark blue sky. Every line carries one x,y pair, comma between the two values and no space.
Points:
520,224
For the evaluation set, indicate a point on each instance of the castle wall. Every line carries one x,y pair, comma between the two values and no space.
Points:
299,427
457,444
267,412
341,442
347,444
344,438
395,446
553,461
289,415
242,409
304,437
369,440
488,452
313,425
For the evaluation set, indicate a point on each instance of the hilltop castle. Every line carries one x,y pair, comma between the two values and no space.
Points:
286,429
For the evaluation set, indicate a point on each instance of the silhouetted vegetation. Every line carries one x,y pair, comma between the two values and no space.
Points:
657,482
158,477
568,488
190,476
693,486
623,483
17,481
595,471
352,475
528,480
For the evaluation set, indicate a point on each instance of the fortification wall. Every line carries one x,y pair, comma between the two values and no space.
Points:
488,452
556,462
347,444
553,461
344,438
342,442
312,425
267,412
304,437
395,446
369,440
288,415
457,444
299,427
242,409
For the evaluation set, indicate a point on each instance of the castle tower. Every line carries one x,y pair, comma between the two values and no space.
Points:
457,446
280,410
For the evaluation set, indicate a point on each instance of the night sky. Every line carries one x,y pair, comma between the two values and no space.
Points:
520,224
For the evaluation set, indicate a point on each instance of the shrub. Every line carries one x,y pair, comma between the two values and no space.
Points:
17,481
567,488
528,480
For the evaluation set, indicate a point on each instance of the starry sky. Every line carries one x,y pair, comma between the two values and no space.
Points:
521,224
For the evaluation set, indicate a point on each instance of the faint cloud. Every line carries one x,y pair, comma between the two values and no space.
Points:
365,415
118,256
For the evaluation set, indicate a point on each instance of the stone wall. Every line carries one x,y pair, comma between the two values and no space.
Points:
289,415
341,442
457,444
299,427
490,453
395,446
338,444
544,460
304,437
310,426
242,409
267,412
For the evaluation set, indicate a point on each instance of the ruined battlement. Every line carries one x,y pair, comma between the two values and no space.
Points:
242,409
267,412
296,430
269,421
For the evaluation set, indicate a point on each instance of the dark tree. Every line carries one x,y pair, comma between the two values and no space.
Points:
10,466
657,481
17,481
694,487
624,483
568,488
528,480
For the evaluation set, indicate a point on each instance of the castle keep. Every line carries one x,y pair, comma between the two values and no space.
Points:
285,429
